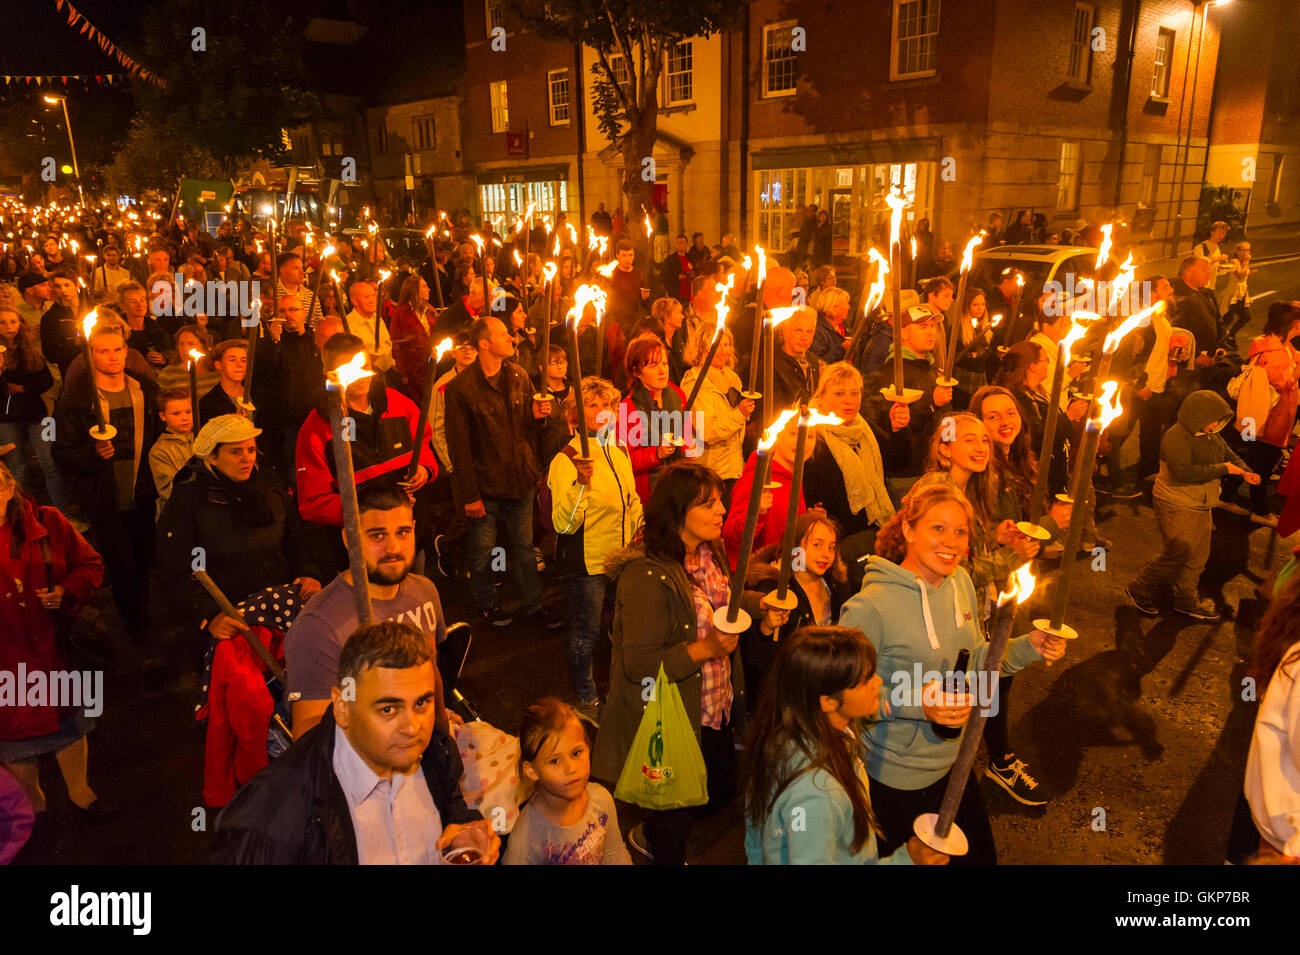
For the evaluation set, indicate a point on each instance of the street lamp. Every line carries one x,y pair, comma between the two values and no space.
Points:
52,99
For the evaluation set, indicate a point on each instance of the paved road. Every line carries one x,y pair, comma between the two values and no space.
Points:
1143,720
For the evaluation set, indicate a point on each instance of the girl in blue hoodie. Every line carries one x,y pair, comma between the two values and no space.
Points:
919,609
808,801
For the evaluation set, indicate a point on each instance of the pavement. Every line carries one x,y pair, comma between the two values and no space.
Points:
1139,735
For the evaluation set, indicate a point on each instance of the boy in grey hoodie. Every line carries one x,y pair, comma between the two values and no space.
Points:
1193,457
175,446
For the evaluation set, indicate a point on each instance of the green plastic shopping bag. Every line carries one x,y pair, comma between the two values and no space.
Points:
664,767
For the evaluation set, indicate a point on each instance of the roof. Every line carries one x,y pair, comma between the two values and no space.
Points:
1045,253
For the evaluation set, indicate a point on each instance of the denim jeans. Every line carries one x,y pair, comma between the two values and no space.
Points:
586,603
16,460
481,538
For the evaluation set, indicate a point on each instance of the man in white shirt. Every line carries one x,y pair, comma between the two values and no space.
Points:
110,273
361,320
384,752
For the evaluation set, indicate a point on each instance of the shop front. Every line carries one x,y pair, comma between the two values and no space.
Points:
508,192
850,183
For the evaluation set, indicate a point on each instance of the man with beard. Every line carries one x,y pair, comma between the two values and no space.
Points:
314,642
375,783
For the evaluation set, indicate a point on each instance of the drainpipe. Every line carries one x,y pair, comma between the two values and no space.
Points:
1126,72
580,108
742,233
724,164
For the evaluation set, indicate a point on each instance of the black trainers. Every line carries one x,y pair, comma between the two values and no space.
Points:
1202,609
1141,601
1012,776
442,558
497,617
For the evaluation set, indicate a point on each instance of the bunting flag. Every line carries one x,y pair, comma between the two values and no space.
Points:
102,79
97,36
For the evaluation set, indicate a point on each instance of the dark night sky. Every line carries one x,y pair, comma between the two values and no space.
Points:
36,37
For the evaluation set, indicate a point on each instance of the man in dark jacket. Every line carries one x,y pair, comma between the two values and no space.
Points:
362,787
111,478
920,334
492,423
795,370
59,324
1195,308
461,314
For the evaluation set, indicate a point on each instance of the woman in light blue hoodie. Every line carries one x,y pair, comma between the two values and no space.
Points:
919,609
808,801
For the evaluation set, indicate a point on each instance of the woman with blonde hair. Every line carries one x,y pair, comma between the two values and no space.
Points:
846,473
831,334
719,415
918,608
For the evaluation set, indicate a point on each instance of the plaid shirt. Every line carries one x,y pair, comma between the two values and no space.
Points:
709,587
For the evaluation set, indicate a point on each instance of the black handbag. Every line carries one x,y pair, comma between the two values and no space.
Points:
82,635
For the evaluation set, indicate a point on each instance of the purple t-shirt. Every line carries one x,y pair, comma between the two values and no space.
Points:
315,640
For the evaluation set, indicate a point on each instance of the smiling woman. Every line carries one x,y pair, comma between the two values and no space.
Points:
919,608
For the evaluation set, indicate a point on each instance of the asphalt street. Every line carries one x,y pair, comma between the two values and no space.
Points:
1139,735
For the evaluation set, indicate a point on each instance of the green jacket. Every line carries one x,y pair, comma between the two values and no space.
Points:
1192,460
654,620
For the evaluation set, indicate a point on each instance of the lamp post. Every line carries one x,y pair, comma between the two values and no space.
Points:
63,101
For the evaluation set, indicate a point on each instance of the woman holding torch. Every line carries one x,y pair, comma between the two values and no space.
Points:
720,414
668,586
918,607
648,409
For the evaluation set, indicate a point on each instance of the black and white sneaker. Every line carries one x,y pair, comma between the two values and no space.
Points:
637,840
1202,609
442,557
498,617
1013,777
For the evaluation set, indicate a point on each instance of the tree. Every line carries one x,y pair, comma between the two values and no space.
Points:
641,32
154,155
235,77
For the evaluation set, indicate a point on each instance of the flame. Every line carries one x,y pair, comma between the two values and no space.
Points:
444,346
573,233
649,226
968,257
1141,320
584,296
608,269
770,435
556,251
1120,286
996,319
88,323
326,252
722,306
1022,585
1103,253
546,221
550,270
1108,406
815,418
1076,332
913,246
876,294
591,237
519,259
195,355
747,262
477,240
528,212
762,264
778,315
432,231
603,242
1020,280
351,371
896,202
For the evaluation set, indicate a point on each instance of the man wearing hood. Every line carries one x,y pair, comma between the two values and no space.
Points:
1193,457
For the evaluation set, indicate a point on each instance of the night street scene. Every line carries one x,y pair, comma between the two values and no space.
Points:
650,432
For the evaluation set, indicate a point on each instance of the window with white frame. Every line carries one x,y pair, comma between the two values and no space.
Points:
780,68
681,88
914,51
382,134
1163,59
423,132
1080,70
500,107
622,76
1151,175
557,86
496,15
1067,183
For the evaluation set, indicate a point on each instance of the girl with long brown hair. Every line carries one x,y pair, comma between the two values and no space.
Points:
808,801
918,608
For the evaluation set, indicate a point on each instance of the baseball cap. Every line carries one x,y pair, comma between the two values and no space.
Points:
31,280
222,430
919,314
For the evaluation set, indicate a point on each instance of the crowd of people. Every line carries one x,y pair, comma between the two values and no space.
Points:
178,430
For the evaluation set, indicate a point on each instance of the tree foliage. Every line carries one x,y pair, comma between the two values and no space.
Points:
232,98
641,32
154,155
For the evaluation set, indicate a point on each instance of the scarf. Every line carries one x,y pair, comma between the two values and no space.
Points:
858,456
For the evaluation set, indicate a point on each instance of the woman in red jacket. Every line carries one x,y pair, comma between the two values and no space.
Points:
650,413
46,568
412,331
773,506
